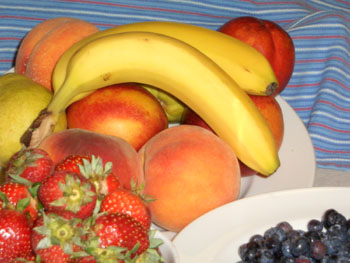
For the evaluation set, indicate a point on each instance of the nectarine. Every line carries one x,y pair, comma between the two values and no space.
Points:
124,110
189,171
268,107
268,38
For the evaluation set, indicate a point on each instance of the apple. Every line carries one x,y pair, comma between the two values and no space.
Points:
268,38
124,110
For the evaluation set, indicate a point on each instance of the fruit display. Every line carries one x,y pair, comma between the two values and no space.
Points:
322,240
140,53
111,134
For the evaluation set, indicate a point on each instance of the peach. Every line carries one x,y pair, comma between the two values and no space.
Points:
47,49
124,110
126,162
189,171
32,38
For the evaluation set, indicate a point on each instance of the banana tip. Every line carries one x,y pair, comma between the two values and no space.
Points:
271,88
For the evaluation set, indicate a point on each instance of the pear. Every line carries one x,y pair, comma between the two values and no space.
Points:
173,107
21,101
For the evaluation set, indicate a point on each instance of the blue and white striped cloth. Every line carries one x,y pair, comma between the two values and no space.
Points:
319,90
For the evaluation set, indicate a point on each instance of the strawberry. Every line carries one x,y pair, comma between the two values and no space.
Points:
127,202
16,195
116,236
56,237
68,191
29,259
32,164
15,233
92,169
89,259
71,163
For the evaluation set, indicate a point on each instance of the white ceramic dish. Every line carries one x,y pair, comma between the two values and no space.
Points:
298,164
217,235
167,249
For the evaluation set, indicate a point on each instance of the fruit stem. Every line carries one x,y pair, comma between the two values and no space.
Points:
40,128
271,88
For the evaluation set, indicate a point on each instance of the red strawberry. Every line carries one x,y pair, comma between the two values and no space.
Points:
92,169
29,259
14,235
126,202
117,236
88,259
55,237
68,191
32,164
15,195
71,163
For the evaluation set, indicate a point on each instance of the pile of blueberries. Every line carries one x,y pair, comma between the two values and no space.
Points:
324,241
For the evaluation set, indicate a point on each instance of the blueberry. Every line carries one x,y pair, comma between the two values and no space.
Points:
285,226
343,259
278,232
315,225
286,249
325,241
259,239
265,256
304,259
318,249
337,231
273,243
312,236
332,217
300,247
248,251
333,245
329,259
287,260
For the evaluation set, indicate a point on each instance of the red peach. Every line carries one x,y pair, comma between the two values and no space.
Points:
126,162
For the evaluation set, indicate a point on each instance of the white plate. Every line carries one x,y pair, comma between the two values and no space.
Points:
297,156
167,249
217,235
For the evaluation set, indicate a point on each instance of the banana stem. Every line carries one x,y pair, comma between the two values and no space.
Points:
40,128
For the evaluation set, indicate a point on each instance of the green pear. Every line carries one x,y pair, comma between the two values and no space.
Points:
173,107
21,101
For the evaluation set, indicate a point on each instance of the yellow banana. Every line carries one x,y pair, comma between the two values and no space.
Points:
180,70
248,67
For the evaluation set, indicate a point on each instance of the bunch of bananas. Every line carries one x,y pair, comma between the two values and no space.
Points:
208,71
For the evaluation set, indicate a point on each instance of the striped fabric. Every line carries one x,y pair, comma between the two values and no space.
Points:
319,90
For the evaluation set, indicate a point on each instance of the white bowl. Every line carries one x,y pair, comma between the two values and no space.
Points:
168,249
